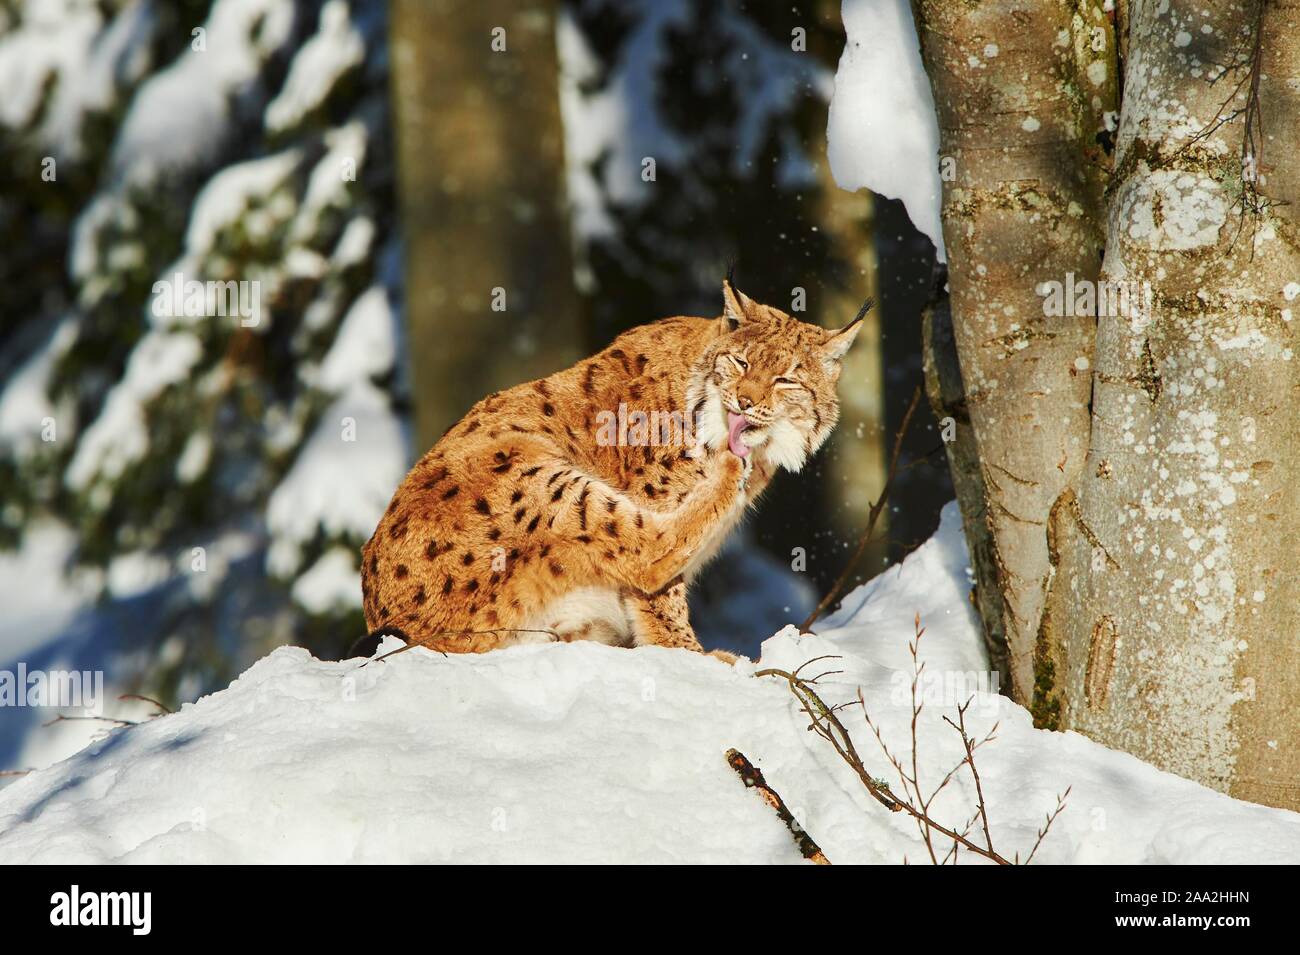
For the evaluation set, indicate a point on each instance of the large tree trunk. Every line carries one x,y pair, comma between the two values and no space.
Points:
1176,603
480,163
1139,468
1025,204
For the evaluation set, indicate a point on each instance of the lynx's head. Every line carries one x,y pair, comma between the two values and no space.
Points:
767,383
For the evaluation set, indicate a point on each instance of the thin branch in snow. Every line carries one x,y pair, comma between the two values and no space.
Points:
113,720
753,778
824,721
873,516
1051,818
970,748
146,699
102,719
952,853
828,726
455,633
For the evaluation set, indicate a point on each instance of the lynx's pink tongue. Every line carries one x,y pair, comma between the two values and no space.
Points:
736,423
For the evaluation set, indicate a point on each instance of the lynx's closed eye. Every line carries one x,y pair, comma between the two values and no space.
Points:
740,363
787,383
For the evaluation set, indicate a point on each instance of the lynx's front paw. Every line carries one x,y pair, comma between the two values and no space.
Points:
737,469
728,658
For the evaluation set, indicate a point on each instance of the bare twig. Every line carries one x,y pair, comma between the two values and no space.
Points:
455,633
965,831
1246,65
824,721
113,720
1051,818
102,719
970,748
753,778
828,726
873,517
146,699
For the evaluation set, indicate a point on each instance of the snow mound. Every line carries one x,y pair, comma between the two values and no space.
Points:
882,132
585,753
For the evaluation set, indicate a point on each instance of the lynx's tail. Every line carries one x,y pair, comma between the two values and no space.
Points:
366,646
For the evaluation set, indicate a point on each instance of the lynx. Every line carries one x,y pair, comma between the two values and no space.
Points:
538,518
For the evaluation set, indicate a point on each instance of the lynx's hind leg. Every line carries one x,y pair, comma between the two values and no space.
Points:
588,613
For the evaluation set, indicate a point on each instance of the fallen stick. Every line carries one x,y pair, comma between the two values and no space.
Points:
752,777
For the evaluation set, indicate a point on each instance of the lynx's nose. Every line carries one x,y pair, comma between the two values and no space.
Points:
749,392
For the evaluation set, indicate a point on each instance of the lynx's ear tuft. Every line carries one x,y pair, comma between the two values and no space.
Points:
838,341
737,307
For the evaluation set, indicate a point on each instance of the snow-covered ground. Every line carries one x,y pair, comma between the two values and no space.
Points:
585,753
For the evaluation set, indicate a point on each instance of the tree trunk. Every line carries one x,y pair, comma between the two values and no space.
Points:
1176,603
1139,452
1025,204
490,294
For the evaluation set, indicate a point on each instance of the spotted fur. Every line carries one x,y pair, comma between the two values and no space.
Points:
521,525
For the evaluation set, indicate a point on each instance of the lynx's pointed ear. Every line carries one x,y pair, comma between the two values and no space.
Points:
737,307
837,342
